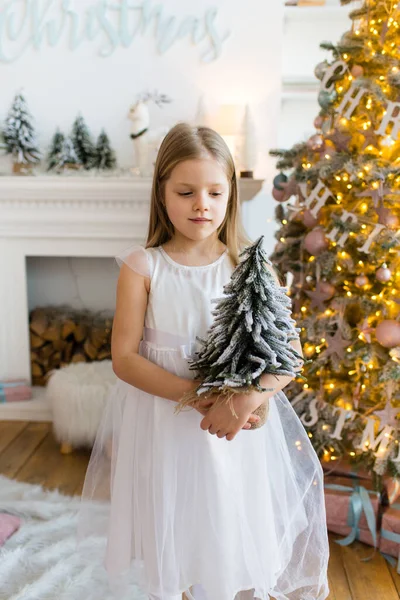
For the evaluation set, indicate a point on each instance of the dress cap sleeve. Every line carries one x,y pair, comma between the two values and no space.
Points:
137,258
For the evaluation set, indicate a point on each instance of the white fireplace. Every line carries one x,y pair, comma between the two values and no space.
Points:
61,217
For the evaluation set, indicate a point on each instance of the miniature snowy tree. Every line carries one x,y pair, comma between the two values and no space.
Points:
105,156
19,135
66,157
3,146
55,150
83,145
250,335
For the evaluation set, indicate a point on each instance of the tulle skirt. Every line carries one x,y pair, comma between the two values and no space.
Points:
181,510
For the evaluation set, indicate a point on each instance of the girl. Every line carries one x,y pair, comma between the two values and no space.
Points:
199,506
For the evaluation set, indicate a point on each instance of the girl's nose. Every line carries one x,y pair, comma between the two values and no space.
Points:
201,200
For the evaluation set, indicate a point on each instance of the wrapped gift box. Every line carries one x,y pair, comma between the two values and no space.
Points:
352,509
390,535
392,486
344,468
15,390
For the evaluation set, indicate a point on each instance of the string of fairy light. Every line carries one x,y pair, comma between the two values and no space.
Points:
371,158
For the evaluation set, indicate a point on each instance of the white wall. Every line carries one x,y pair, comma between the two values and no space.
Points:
59,83
264,49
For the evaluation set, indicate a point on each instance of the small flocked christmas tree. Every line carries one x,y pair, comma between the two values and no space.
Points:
55,150
66,157
83,144
340,240
250,335
3,146
19,135
105,156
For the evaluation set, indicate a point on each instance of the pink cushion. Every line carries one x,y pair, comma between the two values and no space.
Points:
8,525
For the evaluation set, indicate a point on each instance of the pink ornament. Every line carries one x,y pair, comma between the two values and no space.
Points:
315,241
357,71
388,333
316,143
327,289
309,220
361,281
383,274
388,219
279,195
318,122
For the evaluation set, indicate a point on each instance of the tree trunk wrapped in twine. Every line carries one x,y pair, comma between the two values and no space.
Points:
250,336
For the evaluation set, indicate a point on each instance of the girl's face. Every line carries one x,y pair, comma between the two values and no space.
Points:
197,189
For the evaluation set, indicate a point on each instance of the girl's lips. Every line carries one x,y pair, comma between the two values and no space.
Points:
200,220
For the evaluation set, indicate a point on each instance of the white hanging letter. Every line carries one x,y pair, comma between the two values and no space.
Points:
376,230
368,435
351,101
338,68
344,217
320,194
313,414
336,435
392,115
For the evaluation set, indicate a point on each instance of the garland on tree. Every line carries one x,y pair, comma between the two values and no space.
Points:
250,335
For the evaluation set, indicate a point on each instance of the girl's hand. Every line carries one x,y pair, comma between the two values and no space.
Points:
222,422
206,404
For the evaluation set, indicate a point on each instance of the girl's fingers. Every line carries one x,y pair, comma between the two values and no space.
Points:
205,424
253,419
247,426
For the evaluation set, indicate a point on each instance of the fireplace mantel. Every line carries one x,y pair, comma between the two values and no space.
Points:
87,216
88,190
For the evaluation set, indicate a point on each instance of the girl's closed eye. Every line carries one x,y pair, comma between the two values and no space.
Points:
190,193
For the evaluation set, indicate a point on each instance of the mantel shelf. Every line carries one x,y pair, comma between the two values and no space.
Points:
96,190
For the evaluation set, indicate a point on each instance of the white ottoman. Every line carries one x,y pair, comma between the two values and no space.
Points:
77,395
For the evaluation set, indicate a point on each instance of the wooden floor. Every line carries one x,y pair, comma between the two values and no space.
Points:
28,452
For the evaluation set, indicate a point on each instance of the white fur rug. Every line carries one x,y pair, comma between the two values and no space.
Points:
40,560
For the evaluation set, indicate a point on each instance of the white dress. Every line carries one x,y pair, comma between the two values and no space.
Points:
191,512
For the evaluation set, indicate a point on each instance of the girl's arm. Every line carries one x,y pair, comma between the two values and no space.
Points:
128,365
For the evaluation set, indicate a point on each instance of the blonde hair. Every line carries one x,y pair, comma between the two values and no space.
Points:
185,142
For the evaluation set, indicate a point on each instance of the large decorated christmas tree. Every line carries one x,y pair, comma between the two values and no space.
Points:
339,239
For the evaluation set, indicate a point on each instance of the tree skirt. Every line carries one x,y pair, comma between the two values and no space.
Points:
40,561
